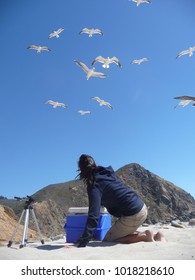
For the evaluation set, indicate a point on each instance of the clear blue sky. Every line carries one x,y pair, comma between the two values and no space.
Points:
40,145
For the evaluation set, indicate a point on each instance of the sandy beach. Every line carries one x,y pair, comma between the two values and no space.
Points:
179,245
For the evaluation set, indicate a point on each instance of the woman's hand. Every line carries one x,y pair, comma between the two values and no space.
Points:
70,246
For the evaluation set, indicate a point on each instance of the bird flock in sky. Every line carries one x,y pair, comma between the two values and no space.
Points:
90,71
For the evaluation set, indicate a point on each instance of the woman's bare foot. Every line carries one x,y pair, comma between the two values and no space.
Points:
159,236
149,236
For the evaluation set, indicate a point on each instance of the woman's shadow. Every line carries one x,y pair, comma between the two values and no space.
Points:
50,247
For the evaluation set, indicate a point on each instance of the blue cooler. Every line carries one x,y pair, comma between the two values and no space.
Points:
75,224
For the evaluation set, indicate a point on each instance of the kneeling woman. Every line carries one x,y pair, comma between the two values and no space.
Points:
104,188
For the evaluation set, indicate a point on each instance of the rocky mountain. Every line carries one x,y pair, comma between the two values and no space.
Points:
165,200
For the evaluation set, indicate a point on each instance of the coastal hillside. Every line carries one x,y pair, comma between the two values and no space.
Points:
166,202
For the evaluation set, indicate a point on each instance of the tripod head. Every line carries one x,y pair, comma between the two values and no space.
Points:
28,201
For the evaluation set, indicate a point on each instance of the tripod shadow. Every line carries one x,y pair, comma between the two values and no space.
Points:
49,247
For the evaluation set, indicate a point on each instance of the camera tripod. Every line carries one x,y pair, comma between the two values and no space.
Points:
28,208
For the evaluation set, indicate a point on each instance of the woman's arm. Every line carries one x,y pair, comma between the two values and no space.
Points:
94,197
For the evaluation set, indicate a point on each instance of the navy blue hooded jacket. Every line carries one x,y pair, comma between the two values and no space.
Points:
110,192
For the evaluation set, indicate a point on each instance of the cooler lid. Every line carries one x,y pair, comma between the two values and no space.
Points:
84,210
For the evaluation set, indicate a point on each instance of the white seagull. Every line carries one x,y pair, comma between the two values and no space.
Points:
188,51
91,31
56,104
102,102
106,61
56,33
90,72
38,48
139,61
141,1
186,100
84,112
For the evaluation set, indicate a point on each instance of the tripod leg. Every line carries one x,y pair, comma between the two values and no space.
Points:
15,231
38,229
25,231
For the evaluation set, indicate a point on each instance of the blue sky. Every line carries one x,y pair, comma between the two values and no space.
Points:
40,145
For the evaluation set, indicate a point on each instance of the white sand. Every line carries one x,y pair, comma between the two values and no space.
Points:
180,245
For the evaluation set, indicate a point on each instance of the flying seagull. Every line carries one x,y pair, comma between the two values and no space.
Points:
56,33
141,1
107,61
139,61
102,102
186,100
90,72
56,104
188,51
84,112
38,48
91,31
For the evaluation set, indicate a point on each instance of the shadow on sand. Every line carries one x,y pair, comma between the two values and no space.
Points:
50,247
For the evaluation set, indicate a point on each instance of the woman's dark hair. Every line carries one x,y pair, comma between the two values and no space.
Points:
86,169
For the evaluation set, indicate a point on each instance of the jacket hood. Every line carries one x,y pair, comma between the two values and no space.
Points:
104,173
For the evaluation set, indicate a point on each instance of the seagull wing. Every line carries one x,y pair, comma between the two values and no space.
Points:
50,102
97,98
115,60
185,97
62,105
53,34
100,59
34,47
182,53
98,31
82,65
45,48
108,104
99,74
183,103
84,30
135,61
60,30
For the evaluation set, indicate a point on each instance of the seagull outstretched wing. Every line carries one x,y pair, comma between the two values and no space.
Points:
182,53
90,72
82,65
185,97
99,59
185,100
96,98
115,60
